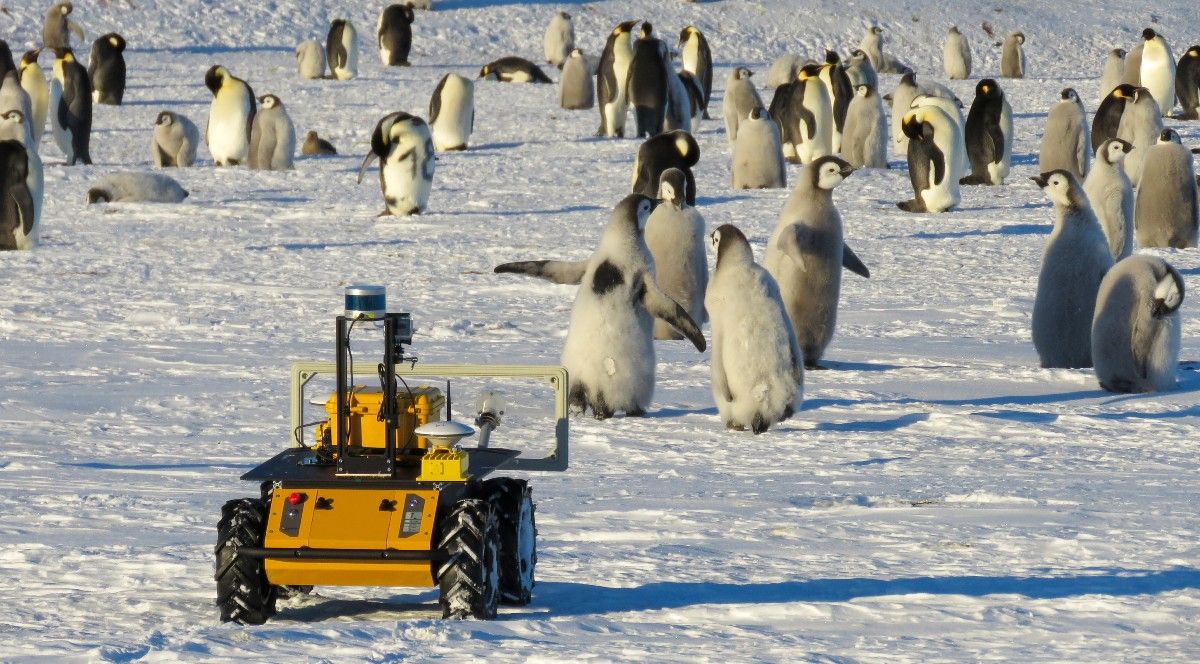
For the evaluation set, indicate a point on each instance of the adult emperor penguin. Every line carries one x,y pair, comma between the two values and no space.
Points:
672,149
1066,143
273,137
695,95
757,364
56,32
393,33
805,116
837,85
7,63
18,220
559,39
1136,329
859,70
315,146
1187,84
1158,70
175,140
106,69
612,76
956,55
310,59
1012,56
954,111
784,70
1114,70
71,116
13,127
758,154
740,98
341,49
1110,194
1108,114
806,254
1073,264
576,90
513,69
864,137
404,146
988,135
609,351
137,188
230,117
1165,213
452,113
675,237
935,160
684,105
1141,124
647,88
33,81
697,60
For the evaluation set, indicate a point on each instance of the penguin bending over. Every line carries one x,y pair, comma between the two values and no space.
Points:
404,146
393,33
1158,70
697,60
1108,114
175,140
452,113
341,49
559,39
1165,211
1066,143
757,155
864,137
137,188
14,127
310,59
612,77
1110,194
106,69
33,81
576,90
935,159
18,219
230,118
988,135
512,69
1012,57
273,137
648,83
675,237
1187,84
740,98
71,116
956,55
1136,330
672,149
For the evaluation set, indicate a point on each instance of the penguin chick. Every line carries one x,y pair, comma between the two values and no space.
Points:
1136,330
136,188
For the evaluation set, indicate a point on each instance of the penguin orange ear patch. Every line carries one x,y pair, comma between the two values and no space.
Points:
681,144
114,42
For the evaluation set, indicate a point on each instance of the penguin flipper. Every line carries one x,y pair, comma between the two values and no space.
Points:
23,204
851,262
792,242
661,306
559,272
435,102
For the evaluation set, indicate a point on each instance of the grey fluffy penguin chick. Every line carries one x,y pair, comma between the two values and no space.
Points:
175,140
1111,196
136,188
758,154
864,137
1136,330
1066,143
675,237
1165,211
272,137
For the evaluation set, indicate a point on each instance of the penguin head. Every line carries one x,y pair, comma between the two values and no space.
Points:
1168,293
215,77
1119,52
954,30
1170,136
30,58
1193,52
832,58
742,73
98,195
165,119
1124,91
311,137
564,16
728,243
875,30
810,70
647,30
1148,34
863,90
270,101
629,216
686,34
1069,94
685,146
1141,95
13,117
757,113
988,89
576,53
1061,187
65,8
857,56
672,188
1019,36
828,172
488,74
64,54
625,27
909,79
1114,150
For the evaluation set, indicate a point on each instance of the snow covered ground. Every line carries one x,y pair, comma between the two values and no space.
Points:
939,497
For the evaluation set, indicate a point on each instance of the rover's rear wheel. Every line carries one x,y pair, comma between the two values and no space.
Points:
512,500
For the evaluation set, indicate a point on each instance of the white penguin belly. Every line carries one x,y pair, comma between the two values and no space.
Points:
609,349
691,56
227,136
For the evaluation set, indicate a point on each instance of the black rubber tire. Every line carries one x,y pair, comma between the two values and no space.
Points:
470,579
243,594
512,501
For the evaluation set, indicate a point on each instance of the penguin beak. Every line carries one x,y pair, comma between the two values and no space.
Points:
846,171
1041,180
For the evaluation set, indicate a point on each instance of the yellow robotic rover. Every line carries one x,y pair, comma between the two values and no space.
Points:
386,495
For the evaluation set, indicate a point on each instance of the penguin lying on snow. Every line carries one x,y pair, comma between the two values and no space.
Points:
512,69
316,146
137,188
1136,330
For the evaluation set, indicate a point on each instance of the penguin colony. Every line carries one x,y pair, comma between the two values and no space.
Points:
1097,302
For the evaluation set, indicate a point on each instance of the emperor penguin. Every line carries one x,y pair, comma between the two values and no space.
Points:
609,351
310,59
684,105
18,219
740,98
1141,124
837,85
1110,194
393,34
452,113
675,237
559,40
404,146
57,30
697,60
33,81
1012,57
864,137
1066,143
14,97
988,134
671,149
1114,70
1108,115
341,49
647,87
106,69
872,46
175,140
230,117
512,69
7,63
956,55
1136,329
804,112
14,127
576,90
954,111
137,188
757,363
806,255
1187,84
695,95
859,70
71,118
758,154
1075,260
272,137
935,160
1165,212
784,70
1158,70
315,146
612,75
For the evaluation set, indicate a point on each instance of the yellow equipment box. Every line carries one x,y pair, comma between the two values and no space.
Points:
416,407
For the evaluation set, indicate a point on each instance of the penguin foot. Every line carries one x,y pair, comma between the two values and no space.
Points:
636,412
734,427
911,206
973,180
788,412
759,425
813,366
386,212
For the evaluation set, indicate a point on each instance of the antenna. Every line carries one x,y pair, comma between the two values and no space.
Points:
448,417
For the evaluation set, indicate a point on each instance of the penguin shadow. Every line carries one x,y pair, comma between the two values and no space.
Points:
715,200
1191,271
444,5
520,213
663,413
1013,229
1025,159
211,49
321,246
877,426
165,103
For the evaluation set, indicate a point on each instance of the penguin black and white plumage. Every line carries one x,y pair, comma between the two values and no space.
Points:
757,363
648,83
18,220
56,31
175,140
1075,260
13,127
512,69
137,188
1108,115
72,117
671,149
452,113
310,59
393,33
106,69
740,98
758,154
784,70
609,351
1136,329
988,135
682,111
7,63
33,81
694,94
675,237
859,70
1165,211
837,85
805,116
404,146
612,75
1158,70
1012,56
806,255
935,159
1187,84
315,146
576,90
956,55
864,136
1141,124
273,137
697,60
906,92
1110,194
341,49
1066,143
559,39
230,117
1114,70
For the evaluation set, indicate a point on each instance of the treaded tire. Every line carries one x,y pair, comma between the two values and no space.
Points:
470,579
512,501
243,594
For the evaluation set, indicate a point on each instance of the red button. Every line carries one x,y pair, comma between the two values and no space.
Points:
296,498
